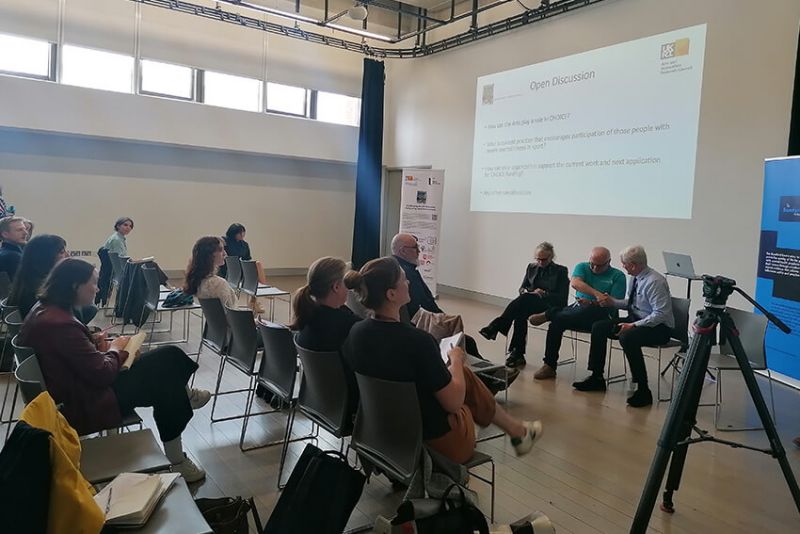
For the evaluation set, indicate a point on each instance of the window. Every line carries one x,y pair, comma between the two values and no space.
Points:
166,79
287,99
96,69
230,91
340,109
25,57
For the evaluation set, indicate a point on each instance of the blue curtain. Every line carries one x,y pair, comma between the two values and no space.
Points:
367,224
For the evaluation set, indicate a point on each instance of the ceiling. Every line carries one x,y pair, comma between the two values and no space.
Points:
392,29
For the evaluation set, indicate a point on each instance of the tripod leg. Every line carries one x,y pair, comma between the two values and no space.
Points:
688,422
674,425
778,451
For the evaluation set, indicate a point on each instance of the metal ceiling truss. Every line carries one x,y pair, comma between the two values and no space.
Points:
425,23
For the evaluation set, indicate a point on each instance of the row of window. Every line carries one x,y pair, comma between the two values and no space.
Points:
110,71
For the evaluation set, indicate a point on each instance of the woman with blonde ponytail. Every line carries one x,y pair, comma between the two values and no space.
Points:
320,314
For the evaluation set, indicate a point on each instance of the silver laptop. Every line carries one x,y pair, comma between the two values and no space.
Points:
680,265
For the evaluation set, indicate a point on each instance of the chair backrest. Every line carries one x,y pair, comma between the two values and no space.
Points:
14,322
216,331
752,329
680,312
243,344
233,274
249,276
21,353
5,309
278,370
388,427
324,392
152,284
29,377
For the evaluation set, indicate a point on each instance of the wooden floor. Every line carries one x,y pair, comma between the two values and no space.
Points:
586,473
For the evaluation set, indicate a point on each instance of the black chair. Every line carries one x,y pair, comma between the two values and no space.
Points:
233,274
388,431
278,374
215,334
679,338
241,351
23,353
154,305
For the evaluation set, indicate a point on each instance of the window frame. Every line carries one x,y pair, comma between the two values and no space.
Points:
52,61
134,72
140,89
316,107
307,104
201,90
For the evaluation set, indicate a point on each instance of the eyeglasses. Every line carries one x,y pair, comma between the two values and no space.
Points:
598,265
415,247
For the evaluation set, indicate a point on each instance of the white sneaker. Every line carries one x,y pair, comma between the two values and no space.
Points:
524,444
189,470
199,398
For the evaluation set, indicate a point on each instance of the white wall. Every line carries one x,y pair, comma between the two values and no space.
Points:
746,102
294,211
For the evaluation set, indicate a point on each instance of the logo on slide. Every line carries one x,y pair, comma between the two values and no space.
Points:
675,49
488,94
789,209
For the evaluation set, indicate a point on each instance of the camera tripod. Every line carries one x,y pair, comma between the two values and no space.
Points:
676,435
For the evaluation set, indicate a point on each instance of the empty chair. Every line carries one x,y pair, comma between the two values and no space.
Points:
388,431
752,329
215,333
20,354
679,338
278,374
233,274
29,378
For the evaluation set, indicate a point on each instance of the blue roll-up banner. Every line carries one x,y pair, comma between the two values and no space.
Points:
778,282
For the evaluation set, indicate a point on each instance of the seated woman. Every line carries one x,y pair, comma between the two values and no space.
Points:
321,317
544,286
118,243
208,254
98,382
235,245
39,257
451,398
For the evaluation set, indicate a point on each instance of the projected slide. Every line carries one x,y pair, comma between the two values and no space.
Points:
611,132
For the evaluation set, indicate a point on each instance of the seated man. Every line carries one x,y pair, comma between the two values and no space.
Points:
649,322
545,285
591,280
405,250
14,236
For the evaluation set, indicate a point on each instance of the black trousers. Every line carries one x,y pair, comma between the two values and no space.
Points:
631,340
517,313
158,379
575,317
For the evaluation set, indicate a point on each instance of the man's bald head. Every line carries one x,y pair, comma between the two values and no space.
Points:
405,246
599,260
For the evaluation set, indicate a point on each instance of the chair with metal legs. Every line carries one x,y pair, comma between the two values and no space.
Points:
278,374
752,329
388,431
679,338
215,333
154,305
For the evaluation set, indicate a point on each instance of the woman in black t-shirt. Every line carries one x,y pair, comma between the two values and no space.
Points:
321,318
451,398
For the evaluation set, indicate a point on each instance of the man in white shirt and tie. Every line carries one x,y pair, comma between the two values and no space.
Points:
649,323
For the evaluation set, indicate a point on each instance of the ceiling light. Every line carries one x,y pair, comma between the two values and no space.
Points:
362,33
358,12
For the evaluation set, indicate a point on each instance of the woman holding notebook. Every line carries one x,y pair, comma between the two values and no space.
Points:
97,381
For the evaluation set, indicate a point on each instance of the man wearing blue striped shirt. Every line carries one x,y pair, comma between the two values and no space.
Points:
649,323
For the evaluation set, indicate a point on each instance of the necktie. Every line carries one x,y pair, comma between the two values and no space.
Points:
632,296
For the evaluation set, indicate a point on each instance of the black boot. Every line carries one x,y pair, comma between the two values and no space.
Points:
515,359
489,332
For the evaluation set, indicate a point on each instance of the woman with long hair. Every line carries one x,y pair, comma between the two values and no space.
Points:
208,255
39,257
451,398
97,382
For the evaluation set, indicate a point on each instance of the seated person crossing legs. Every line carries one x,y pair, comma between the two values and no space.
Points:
545,286
649,322
591,280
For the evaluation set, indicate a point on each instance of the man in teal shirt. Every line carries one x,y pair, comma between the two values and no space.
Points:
590,280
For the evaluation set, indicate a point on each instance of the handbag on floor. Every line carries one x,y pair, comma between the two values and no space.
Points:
319,497
228,515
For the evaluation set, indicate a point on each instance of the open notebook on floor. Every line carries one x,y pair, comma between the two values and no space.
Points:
130,498
134,344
